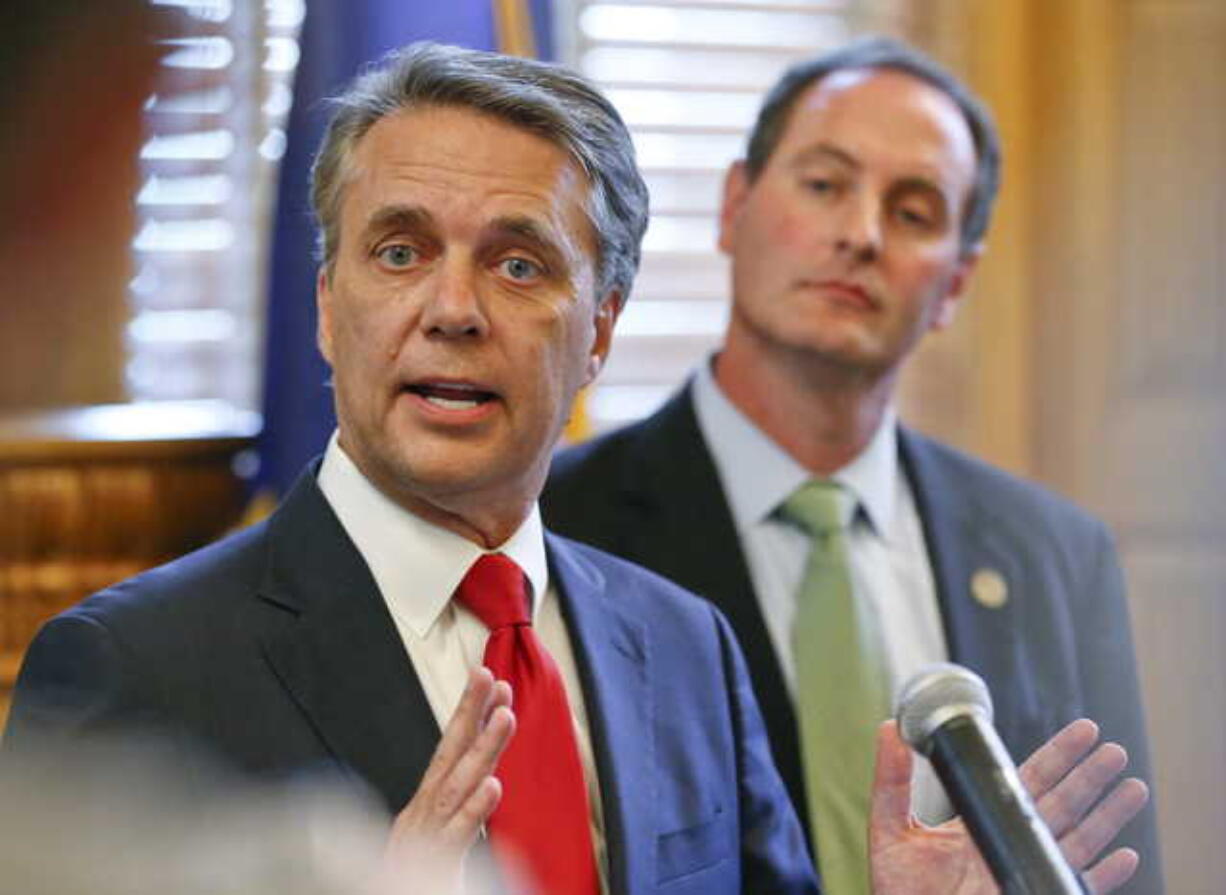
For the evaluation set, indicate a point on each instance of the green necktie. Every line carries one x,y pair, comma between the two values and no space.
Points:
842,690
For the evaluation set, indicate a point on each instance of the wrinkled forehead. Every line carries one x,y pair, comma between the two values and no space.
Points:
471,155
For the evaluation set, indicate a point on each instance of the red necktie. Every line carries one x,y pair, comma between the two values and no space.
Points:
542,821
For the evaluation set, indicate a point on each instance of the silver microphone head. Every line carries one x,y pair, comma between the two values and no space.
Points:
934,695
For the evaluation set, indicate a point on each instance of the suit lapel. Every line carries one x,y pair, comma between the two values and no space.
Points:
671,477
612,656
963,544
329,638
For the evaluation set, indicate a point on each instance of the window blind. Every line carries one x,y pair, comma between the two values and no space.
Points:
208,166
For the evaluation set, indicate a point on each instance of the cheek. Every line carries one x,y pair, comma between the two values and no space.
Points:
364,346
565,355
784,222
373,324
924,278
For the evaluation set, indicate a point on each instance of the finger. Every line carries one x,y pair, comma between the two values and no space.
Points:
468,773
1048,764
1112,871
501,695
890,810
1087,840
463,727
466,822
1068,801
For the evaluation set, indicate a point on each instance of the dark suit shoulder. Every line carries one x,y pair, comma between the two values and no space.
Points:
199,584
1007,500
601,491
588,475
602,454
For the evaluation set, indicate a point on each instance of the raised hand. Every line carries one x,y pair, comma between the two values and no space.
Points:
432,835
1066,777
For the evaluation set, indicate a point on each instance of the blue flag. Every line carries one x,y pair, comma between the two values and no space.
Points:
338,37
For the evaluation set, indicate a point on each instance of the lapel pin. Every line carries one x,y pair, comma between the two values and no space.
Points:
989,588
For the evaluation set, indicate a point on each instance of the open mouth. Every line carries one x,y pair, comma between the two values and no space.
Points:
452,396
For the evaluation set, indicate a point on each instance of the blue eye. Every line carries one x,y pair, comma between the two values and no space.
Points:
396,255
520,269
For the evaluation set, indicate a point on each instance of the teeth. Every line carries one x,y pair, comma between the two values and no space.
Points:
451,403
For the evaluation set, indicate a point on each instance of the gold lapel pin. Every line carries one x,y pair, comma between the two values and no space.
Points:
989,588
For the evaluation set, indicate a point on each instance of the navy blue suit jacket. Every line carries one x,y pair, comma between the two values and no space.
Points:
1060,647
274,649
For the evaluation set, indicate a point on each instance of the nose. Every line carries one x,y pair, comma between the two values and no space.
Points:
453,308
858,230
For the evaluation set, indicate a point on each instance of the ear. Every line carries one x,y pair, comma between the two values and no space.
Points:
958,283
607,312
736,190
323,308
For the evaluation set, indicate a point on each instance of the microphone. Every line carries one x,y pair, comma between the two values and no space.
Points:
945,713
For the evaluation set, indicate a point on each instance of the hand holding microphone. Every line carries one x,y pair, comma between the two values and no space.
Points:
1070,780
945,714
1030,846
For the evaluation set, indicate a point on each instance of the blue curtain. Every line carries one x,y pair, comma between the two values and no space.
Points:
338,37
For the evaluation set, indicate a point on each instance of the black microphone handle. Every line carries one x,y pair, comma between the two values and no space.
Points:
984,788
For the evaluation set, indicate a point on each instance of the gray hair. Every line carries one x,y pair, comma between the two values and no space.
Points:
886,53
542,98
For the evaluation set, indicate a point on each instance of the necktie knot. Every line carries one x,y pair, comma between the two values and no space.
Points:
817,505
493,590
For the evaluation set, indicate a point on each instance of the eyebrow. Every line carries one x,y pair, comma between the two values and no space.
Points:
829,151
921,185
826,152
414,218
399,217
531,231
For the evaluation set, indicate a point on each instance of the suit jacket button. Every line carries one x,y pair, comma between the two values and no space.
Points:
989,588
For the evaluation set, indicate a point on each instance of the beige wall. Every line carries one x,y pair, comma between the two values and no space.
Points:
1092,354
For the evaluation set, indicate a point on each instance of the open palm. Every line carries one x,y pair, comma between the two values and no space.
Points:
1066,777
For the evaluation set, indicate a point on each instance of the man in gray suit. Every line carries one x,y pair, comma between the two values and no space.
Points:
853,226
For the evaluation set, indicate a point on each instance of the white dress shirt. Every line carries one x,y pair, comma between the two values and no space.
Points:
888,557
417,567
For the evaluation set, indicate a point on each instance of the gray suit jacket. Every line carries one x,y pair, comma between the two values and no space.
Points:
1060,647
275,650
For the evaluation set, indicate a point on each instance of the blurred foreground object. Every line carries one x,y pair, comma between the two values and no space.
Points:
125,819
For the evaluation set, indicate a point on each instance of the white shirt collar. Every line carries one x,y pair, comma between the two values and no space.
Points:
737,444
416,564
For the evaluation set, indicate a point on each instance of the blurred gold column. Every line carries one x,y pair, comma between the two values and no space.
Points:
973,384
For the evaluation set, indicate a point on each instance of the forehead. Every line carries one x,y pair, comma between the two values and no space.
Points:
462,163
884,118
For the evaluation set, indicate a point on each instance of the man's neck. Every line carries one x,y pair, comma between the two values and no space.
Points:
487,518
822,415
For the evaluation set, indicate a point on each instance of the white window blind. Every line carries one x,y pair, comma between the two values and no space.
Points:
208,169
688,76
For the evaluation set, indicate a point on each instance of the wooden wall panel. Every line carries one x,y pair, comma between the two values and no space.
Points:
1164,434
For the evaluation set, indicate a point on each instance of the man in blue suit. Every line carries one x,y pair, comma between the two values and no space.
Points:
853,226
480,226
